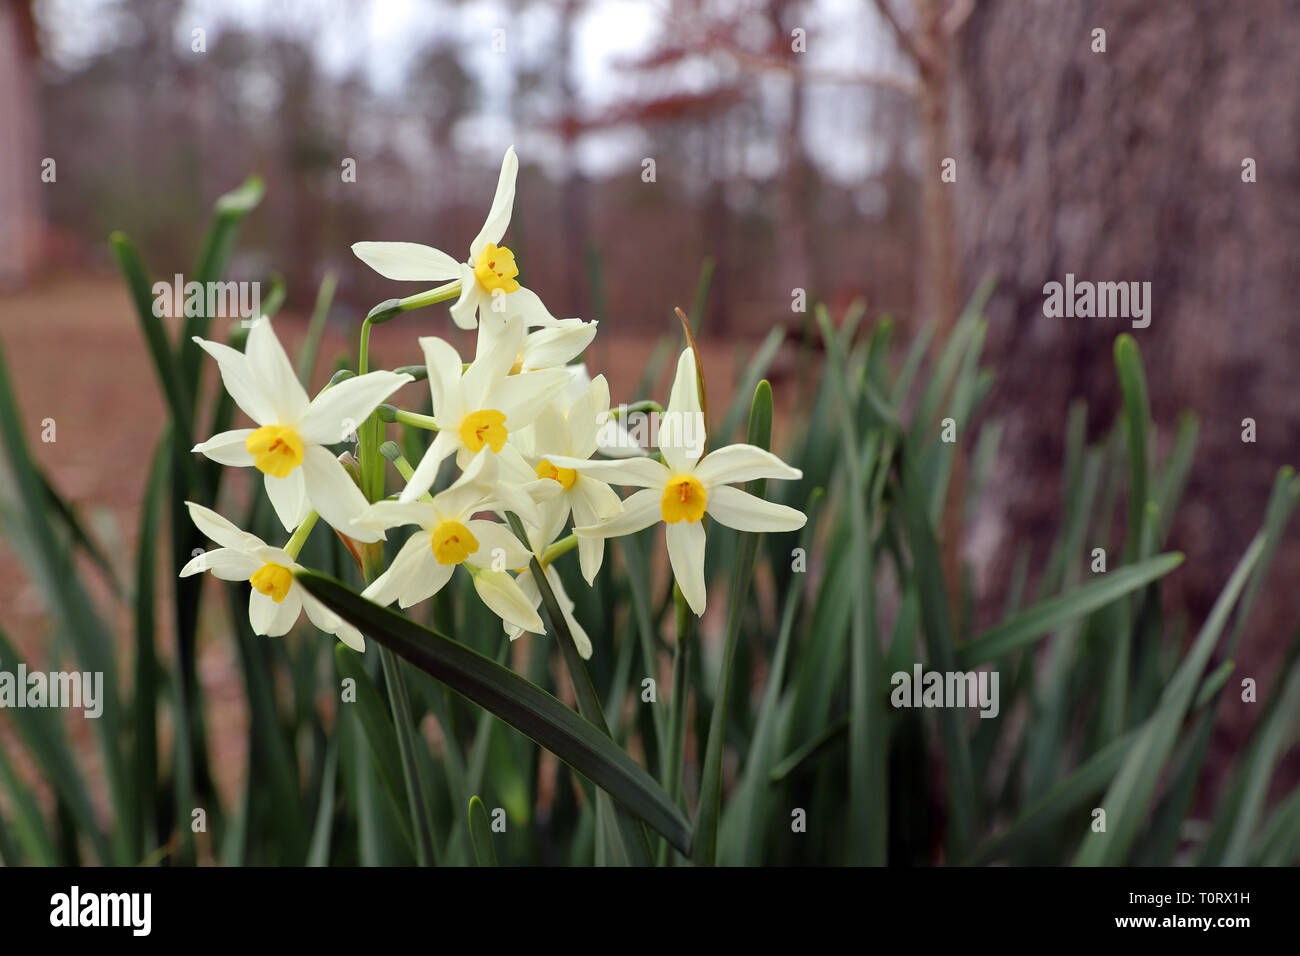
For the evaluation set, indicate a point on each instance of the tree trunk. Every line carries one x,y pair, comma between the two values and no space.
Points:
1127,165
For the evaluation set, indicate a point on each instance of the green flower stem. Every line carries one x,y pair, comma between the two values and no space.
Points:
372,464
636,844
558,549
372,486
414,419
682,653
646,405
394,454
432,297
400,701
300,536
710,800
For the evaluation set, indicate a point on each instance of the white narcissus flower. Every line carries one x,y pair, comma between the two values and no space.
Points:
276,600
685,487
288,446
450,536
479,408
613,439
572,434
486,276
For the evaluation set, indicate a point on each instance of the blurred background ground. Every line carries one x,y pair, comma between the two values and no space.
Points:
797,143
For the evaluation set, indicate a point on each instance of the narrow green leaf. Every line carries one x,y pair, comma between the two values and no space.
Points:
1021,630
318,852
868,738
179,402
937,627
29,827
68,514
1240,813
1130,792
481,833
710,805
1278,843
805,751
53,753
230,211
519,703
749,805
631,843
71,609
319,314
1137,418
145,709
377,724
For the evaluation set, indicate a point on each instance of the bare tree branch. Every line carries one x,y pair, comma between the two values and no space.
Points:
762,61
957,16
906,43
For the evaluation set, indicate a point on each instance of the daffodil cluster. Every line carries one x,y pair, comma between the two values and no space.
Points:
530,433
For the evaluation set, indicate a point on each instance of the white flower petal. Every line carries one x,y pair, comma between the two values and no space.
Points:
686,554
240,382
640,510
523,397
467,493
426,472
270,619
498,548
228,448
593,501
472,298
528,587
423,576
741,463
591,555
220,530
548,435
579,382
274,374
527,305
331,623
578,632
261,611
404,574
408,261
493,360
745,512
334,494
224,563
340,410
682,431
592,496
443,364
585,417
391,514
633,472
498,217
289,495
556,345
502,595
615,440
552,515
516,487
269,555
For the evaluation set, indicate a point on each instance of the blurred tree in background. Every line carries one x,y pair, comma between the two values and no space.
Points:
788,165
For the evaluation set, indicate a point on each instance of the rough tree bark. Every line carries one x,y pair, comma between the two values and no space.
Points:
1127,165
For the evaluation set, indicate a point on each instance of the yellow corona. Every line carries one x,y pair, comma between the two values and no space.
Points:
683,500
